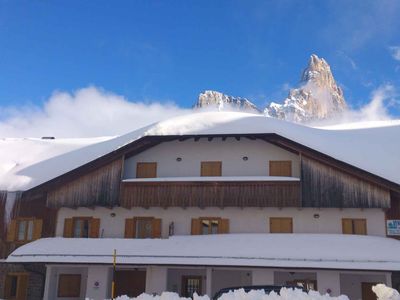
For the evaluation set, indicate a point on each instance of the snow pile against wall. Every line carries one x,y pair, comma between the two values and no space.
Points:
385,293
285,294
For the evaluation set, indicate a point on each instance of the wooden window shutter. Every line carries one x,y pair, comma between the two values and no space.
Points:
146,170
281,225
280,168
22,287
37,229
7,287
196,227
94,228
130,228
347,226
223,226
360,226
68,227
211,168
12,231
156,227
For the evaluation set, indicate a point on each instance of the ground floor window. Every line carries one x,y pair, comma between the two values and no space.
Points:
16,286
191,285
304,283
69,285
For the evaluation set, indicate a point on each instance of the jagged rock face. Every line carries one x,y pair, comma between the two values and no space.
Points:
217,100
318,97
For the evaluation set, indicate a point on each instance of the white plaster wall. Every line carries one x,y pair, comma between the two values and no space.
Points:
350,283
52,285
230,152
262,277
156,280
229,278
328,280
98,274
246,220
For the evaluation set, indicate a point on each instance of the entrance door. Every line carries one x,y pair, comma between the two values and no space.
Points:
366,290
131,283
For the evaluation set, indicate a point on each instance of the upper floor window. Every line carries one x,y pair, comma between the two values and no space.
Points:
281,225
280,168
146,170
211,168
143,227
209,225
82,227
24,230
354,226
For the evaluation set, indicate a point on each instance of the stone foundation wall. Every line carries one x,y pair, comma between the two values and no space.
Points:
36,280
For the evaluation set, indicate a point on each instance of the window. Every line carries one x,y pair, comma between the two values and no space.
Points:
146,170
23,230
281,225
304,283
143,227
69,286
354,226
211,168
16,286
209,225
82,227
191,285
280,168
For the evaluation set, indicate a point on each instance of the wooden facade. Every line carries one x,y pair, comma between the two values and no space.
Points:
99,187
216,193
326,186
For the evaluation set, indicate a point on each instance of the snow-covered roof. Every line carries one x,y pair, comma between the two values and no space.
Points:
324,251
27,163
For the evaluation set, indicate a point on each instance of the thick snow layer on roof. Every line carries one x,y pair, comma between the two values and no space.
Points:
375,150
325,251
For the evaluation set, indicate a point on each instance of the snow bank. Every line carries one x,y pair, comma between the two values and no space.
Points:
385,293
285,294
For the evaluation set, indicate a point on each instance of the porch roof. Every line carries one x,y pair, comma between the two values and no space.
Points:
322,251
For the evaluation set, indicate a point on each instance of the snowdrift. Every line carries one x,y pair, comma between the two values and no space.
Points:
383,293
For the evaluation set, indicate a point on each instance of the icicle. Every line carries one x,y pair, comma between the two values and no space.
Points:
9,206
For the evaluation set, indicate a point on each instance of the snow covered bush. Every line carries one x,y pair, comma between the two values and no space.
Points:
385,293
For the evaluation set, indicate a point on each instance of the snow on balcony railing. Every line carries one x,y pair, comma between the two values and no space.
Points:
213,178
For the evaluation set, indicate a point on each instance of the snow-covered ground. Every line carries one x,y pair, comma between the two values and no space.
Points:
383,293
26,163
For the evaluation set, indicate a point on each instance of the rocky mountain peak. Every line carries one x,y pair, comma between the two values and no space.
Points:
220,101
318,97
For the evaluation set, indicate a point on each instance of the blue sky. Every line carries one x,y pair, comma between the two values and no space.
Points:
160,51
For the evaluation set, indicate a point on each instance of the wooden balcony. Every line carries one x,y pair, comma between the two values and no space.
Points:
216,192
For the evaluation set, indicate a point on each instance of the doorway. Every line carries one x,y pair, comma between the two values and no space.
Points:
131,283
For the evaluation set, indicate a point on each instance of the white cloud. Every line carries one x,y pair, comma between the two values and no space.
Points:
395,51
87,112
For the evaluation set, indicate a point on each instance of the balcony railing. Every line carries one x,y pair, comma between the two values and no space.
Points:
211,191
